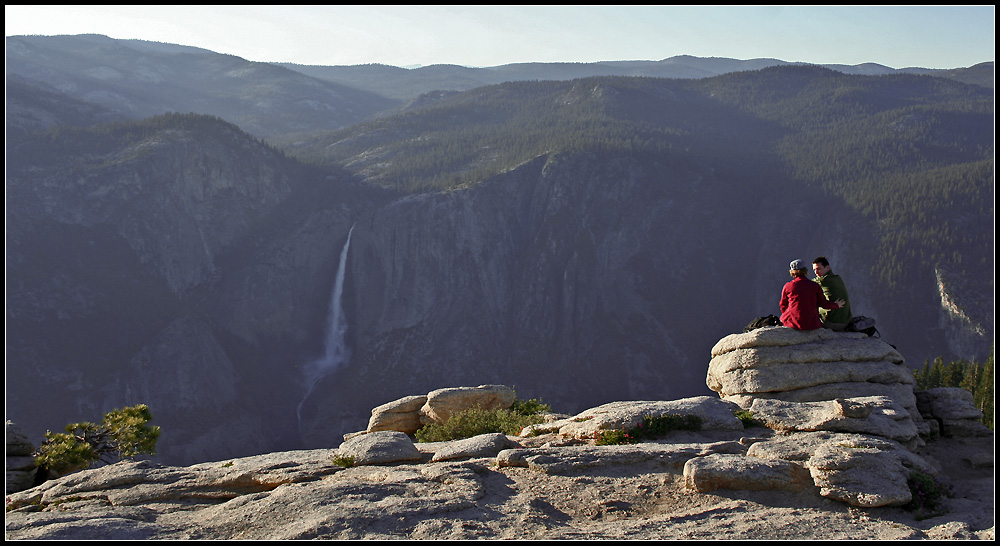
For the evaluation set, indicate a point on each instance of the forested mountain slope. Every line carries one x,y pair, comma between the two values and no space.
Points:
137,79
912,154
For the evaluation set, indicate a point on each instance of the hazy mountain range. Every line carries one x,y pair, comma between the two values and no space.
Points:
583,232
403,84
137,79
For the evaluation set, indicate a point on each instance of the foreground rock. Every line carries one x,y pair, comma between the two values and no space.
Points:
536,490
378,448
801,469
715,414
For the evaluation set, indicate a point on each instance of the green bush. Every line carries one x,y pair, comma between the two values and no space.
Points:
927,494
650,427
476,421
122,435
747,419
345,461
529,407
616,437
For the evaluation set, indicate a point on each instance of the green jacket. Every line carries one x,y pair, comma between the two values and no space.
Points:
834,289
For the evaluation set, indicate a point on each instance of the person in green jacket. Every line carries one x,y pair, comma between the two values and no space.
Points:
833,289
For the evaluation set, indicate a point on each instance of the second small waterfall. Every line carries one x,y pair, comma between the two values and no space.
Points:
336,353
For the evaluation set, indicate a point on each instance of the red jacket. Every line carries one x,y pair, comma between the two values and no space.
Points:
800,303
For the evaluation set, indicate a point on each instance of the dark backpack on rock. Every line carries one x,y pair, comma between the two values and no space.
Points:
761,322
865,325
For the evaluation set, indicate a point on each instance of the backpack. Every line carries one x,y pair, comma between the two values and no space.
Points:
865,325
762,322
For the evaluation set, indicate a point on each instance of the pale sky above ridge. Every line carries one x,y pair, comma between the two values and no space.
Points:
894,36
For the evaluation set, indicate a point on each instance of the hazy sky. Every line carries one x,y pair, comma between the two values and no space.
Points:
895,36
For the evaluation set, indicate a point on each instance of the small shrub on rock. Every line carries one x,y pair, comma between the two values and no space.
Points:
476,421
650,427
345,461
928,492
529,407
747,419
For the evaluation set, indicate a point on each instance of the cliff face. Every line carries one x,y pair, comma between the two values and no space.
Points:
577,279
160,268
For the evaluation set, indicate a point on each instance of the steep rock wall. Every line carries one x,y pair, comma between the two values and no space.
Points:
173,271
580,279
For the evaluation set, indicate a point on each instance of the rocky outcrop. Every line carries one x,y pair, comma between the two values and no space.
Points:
380,484
402,415
813,366
483,445
845,407
441,404
715,414
569,459
849,449
380,447
856,449
870,472
778,361
19,464
875,415
736,471
508,487
410,413
952,412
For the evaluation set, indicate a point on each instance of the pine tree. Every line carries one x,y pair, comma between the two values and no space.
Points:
123,434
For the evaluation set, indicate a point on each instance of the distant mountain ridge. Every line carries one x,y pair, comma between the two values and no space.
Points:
403,84
134,79
138,79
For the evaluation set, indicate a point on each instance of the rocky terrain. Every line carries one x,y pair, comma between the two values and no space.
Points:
822,469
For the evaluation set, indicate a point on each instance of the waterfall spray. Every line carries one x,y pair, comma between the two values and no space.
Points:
336,353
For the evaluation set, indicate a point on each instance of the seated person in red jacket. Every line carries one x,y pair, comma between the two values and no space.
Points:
801,300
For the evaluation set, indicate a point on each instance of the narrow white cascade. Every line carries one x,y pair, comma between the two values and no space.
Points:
336,353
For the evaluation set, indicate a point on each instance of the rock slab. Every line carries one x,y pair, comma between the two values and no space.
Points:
410,413
19,463
812,366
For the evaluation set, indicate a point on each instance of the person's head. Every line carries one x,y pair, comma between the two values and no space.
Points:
821,266
797,268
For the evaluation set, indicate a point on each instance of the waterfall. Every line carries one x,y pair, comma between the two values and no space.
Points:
336,353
